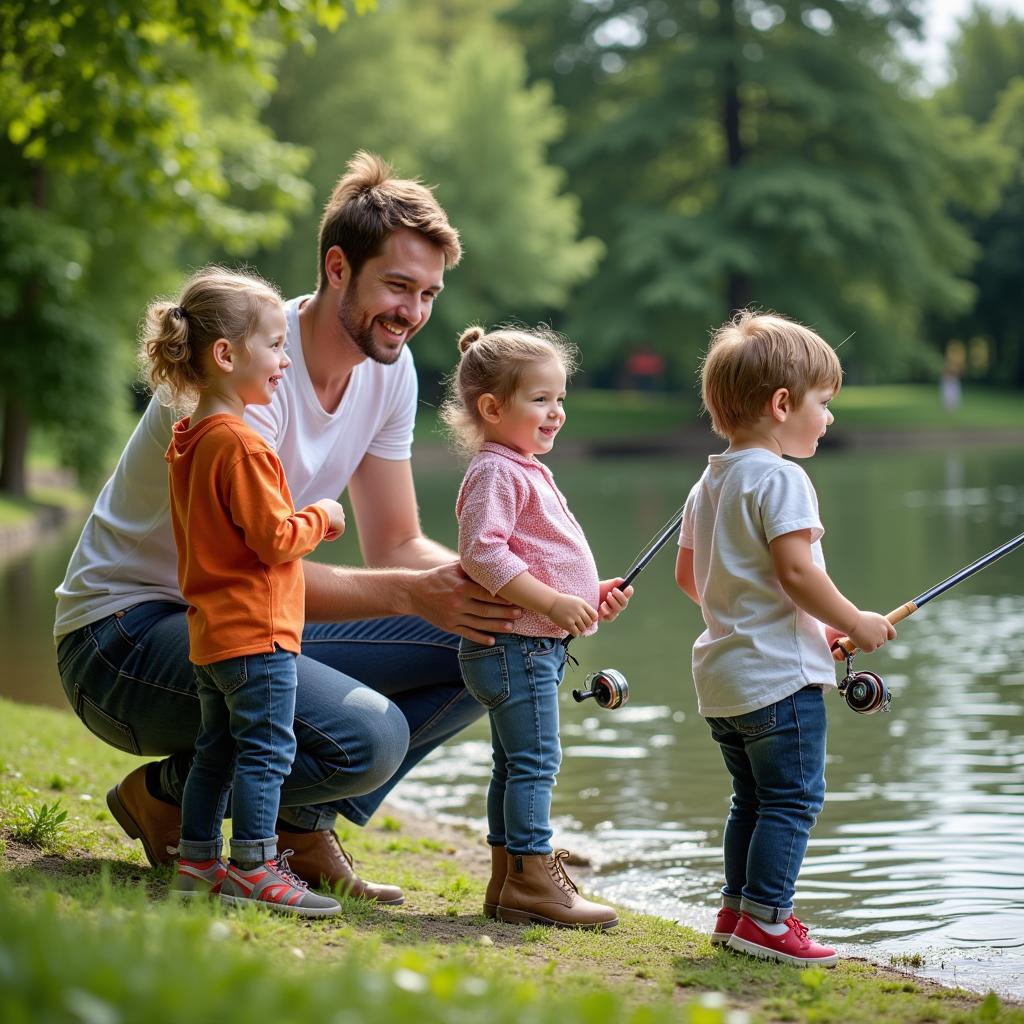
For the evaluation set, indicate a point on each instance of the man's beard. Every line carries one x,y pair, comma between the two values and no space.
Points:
360,329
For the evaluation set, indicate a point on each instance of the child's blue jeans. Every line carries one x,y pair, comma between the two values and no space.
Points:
776,756
245,748
517,681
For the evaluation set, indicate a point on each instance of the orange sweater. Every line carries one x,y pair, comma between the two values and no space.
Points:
239,540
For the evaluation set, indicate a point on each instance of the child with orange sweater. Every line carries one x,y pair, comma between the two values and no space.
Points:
220,347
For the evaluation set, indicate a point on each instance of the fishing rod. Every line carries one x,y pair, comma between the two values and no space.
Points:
865,691
608,686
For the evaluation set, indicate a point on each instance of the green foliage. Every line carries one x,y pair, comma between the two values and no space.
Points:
42,826
987,93
126,128
731,153
457,111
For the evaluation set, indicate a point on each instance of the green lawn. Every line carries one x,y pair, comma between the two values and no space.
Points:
87,934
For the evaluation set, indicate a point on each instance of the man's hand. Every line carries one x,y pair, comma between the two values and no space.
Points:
613,600
449,599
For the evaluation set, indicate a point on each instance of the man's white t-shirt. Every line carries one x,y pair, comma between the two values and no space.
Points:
759,647
126,553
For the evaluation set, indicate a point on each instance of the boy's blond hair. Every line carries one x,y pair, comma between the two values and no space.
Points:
753,355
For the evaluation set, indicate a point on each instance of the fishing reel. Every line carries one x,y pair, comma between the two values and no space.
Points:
864,692
608,687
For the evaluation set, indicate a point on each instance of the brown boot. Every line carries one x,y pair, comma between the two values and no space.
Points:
319,859
499,869
538,891
142,816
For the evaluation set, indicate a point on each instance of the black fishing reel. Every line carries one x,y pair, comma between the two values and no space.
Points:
608,687
864,692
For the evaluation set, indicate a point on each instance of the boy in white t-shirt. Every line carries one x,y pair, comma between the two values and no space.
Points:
750,556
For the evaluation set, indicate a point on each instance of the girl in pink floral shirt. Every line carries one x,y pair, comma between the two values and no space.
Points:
518,539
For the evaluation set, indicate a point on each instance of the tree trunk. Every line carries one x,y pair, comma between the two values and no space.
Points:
13,478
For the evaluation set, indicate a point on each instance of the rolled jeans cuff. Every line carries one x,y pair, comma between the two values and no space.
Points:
250,852
200,851
734,903
760,912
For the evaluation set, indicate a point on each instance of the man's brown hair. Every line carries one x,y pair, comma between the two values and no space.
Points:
369,204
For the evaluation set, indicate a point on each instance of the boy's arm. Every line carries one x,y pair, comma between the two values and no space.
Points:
811,589
684,574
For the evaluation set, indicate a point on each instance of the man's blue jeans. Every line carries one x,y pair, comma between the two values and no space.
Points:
244,750
374,697
517,681
776,756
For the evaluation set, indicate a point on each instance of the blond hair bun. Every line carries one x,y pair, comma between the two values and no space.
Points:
469,336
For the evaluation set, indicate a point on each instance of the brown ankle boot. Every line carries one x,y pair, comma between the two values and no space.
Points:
319,859
537,890
144,817
499,869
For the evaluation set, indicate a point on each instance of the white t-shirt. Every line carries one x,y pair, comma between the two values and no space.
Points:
126,553
759,647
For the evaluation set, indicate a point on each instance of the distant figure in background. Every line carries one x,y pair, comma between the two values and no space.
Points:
217,349
644,369
952,372
518,540
750,556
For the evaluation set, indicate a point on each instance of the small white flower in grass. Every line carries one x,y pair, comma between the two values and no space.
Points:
712,1000
298,953
410,981
85,796
486,940
218,931
737,1017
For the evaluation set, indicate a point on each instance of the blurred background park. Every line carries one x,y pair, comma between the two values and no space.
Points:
629,171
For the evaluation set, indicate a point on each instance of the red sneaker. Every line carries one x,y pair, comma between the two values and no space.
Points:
792,947
725,925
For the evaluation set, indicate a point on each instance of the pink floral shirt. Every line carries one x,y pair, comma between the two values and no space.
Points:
513,519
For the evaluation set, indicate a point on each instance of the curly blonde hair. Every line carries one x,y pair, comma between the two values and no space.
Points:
492,362
214,303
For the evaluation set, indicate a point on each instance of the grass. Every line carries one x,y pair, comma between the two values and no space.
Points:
86,933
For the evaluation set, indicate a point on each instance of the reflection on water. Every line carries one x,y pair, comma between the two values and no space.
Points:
920,846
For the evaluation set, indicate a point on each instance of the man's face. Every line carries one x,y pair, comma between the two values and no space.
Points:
392,296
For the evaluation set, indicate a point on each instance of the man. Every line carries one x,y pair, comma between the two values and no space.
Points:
379,684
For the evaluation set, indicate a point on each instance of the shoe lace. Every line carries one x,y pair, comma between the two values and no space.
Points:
797,926
559,874
341,849
281,867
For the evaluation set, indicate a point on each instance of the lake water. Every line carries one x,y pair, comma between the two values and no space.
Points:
919,851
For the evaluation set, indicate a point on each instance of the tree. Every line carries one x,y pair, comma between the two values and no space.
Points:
987,87
127,127
732,153
454,108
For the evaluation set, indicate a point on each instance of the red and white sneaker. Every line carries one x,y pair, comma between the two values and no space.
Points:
198,879
791,947
273,885
725,925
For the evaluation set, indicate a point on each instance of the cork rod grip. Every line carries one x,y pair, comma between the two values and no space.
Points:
896,615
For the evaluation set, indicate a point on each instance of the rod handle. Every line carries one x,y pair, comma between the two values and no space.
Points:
896,615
